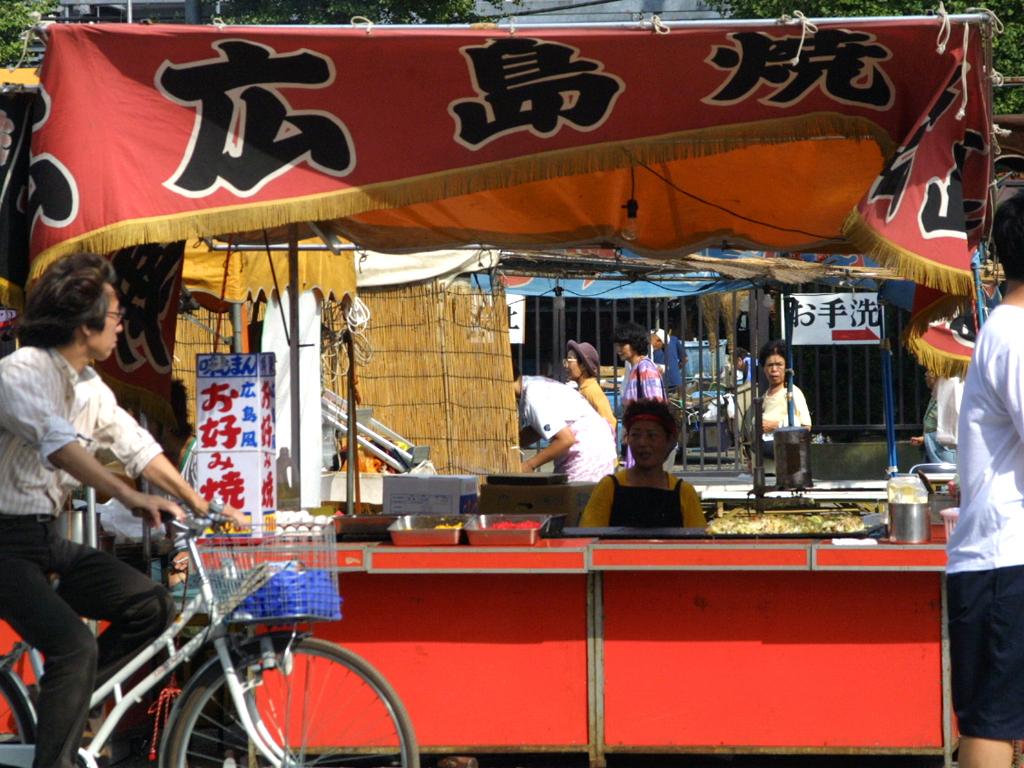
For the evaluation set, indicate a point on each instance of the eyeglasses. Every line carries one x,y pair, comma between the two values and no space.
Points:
117,314
569,360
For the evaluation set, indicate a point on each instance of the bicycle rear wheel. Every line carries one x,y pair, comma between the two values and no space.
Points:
325,707
17,718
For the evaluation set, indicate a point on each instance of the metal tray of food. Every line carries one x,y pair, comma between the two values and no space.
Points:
873,532
506,530
428,530
365,527
874,528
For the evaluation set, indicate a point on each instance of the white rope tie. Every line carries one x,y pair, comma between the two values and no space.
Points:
998,132
362,21
805,26
218,22
660,28
511,26
963,74
35,17
996,77
944,29
997,25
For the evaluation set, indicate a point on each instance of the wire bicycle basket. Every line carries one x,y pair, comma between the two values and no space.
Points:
277,574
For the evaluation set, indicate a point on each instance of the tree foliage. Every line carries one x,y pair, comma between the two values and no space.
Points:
342,11
15,19
1008,48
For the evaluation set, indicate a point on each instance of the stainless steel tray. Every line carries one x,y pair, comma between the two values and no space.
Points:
481,532
422,530
369,526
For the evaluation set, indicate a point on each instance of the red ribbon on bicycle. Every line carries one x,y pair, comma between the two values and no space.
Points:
160,709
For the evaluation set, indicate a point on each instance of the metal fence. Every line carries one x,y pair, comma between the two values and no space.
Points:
843,384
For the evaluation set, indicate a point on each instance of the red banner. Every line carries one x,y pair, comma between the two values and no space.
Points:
736,135
941,331
149,284
925,213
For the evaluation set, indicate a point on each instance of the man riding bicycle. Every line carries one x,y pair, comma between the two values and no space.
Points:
55,412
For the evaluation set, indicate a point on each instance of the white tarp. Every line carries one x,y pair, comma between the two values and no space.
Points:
379,269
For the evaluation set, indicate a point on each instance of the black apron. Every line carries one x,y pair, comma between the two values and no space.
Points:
645,507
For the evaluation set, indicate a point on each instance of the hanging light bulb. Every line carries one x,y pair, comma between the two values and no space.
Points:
631,231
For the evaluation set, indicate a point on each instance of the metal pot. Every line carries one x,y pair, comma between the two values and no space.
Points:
792,458
909,523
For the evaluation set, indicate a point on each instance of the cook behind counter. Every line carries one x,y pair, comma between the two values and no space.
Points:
616,503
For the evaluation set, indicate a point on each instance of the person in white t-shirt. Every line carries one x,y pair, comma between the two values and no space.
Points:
985,583
580,441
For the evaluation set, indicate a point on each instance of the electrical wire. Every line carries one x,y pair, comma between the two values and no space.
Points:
722,207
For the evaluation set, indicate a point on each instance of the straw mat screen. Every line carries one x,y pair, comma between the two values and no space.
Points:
441,375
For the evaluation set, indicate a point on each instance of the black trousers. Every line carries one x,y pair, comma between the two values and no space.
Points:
94,585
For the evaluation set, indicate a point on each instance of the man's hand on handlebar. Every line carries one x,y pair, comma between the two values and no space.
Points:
236,516
153,508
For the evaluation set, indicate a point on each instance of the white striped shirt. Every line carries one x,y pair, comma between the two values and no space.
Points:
44,405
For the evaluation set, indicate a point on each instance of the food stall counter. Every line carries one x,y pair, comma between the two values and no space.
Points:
547,556
709,554
722,554
826,556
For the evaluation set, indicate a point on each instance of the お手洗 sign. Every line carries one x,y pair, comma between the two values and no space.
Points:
835,318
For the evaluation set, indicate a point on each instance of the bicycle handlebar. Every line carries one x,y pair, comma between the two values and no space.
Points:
195,523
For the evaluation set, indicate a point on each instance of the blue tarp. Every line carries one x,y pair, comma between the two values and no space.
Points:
897,292
624,288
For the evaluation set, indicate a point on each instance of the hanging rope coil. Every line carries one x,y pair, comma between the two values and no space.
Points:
357,318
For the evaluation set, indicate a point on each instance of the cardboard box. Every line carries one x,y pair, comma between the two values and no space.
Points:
430,494
569,499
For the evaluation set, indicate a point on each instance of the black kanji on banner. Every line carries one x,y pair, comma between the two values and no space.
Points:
248,134
843,64
892,181
945,213
15,135
528,84
52,192
147,275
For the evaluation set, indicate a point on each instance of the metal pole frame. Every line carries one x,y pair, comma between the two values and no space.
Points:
645,25
293,363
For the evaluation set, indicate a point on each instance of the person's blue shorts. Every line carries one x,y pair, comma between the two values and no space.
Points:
986,635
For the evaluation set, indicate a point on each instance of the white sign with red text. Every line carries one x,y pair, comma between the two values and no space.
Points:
235,432
835,318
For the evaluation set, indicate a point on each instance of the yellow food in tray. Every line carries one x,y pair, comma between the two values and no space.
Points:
456,525
768,524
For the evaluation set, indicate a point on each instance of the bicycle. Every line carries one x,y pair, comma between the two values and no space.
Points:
279,698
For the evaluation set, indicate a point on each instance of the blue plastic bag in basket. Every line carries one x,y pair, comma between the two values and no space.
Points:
293,591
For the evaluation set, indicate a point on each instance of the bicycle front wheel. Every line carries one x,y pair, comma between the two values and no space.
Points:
321,704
